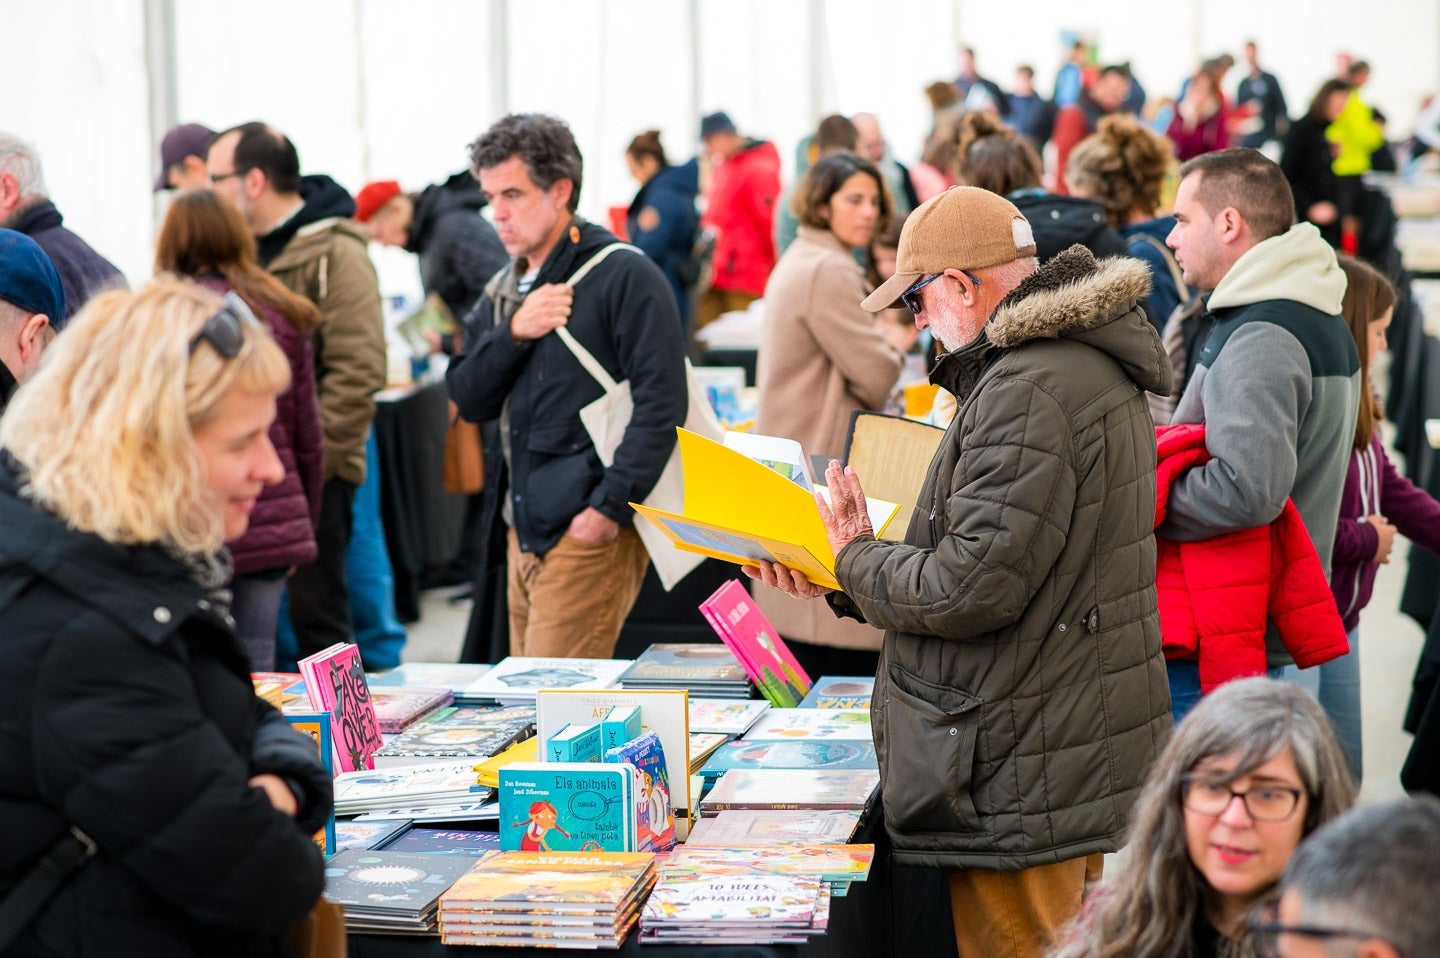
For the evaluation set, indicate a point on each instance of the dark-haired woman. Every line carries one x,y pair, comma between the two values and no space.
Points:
662,220
205,238
1308,161
821,358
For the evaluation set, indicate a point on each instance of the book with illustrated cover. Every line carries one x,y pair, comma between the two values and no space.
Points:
526,750
516,679
366,881
463,732
371,790
654,817
373,834
687,664
813,725
702,746
784,754
840,692
397,707
792,788
833,863
443,841
737,827
726,716
317,726
335,683
741,625
455,676
740,510
284,690
717,901
542,882
663,711
567,807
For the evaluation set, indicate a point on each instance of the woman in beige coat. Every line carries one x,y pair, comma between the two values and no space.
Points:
821,358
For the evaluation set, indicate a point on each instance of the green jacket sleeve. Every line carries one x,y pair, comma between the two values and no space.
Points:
350,354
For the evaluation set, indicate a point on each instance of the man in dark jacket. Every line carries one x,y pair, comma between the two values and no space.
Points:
1108,94
575,561
1262,89
1021,690
307,239
25,207
32,309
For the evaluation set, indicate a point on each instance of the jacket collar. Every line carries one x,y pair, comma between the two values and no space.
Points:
37,217
152,599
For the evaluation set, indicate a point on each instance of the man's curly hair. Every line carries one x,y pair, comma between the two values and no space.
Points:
544,142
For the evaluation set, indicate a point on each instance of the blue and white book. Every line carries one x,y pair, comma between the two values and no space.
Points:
782,754
840,692
566,807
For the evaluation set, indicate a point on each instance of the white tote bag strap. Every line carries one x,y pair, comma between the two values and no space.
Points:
591,364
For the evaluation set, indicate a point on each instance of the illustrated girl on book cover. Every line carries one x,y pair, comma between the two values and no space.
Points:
543,817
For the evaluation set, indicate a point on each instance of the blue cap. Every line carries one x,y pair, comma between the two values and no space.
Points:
28,278
718,122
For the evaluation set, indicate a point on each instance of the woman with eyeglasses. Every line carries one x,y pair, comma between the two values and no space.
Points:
151,803
205,238
1252,770
821,358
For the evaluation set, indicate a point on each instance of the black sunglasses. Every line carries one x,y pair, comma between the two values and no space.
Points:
225,329
911,296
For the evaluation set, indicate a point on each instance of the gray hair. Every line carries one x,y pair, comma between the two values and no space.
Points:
1374,870
21,160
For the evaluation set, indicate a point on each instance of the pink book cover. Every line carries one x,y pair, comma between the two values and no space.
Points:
743,627
335,683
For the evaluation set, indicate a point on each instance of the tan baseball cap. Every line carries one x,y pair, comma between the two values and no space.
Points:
962,228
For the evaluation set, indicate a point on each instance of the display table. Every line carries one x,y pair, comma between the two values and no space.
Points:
897,912
422,520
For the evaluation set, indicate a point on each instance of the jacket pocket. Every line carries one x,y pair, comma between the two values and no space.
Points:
930,733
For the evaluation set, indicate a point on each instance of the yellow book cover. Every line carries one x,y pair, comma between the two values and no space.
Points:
743,510
526,751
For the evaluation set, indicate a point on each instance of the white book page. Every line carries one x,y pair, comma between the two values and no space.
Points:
774,452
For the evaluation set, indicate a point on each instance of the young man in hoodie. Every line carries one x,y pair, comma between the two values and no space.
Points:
1277,382
307,239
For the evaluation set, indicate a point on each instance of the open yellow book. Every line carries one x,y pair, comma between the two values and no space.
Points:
743,510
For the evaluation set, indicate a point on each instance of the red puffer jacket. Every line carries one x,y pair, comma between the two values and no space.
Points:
1217,595
741,210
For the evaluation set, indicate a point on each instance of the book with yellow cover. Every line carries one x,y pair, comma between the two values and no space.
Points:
743,510
526,751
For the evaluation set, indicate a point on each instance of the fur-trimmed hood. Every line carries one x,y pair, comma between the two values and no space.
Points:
1097,303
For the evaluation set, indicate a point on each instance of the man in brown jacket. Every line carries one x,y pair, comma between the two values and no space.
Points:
308,240
1021,691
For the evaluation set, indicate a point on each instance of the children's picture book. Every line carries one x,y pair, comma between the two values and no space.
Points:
785,754
735,617
812,725
686,663
526,750
397,707
702,745
663,711
834,863
517,678
560,882
335,683
740,510
413,884
372,789
741,826
371,834
726,716
455,676
464,732
567,807
792,788
839,692
730,900
317,726
654,817
443,841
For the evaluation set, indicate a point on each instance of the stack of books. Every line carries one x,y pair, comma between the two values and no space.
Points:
707,669
558,900
836,865
724,716
813,725
697,908
391,892
740,827
515,680
748,753
443,841
840,692
398,707
788,788
458,677
375,790
457,733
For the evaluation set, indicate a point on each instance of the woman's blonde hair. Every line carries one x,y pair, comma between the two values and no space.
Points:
105,429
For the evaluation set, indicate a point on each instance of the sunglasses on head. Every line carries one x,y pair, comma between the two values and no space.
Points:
225,329
911,296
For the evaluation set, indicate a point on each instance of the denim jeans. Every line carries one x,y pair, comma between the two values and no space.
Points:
1185,683
1336,685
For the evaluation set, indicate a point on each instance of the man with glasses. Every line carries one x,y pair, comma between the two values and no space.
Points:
1362,885
1021,691
306,238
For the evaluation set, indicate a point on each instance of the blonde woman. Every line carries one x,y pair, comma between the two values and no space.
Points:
128,723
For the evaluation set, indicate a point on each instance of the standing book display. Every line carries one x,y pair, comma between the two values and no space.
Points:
335,683
741,625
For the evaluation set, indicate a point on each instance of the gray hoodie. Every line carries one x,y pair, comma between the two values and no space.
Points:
1277,386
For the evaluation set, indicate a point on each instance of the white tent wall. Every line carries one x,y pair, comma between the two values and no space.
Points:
373,89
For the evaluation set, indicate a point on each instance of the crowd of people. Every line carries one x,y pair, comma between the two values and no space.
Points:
1124,614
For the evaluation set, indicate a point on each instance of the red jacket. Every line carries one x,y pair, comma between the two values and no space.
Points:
1217,596
741,210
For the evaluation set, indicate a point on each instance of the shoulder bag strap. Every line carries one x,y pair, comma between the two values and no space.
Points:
1175,274
583,355
32,893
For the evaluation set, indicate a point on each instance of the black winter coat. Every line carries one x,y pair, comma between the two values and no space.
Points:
126,709
663,222
458,248
624,314
1307,161
84,273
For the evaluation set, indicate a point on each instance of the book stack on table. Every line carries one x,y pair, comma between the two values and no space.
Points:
458,677
556,900
689,907
390,892
442,783
704,669
398,707
515,680
458,733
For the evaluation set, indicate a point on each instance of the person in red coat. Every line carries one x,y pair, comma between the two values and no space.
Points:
741,211
205,238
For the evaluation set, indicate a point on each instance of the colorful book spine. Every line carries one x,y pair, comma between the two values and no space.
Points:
654,815
620,725
317,726
574,743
